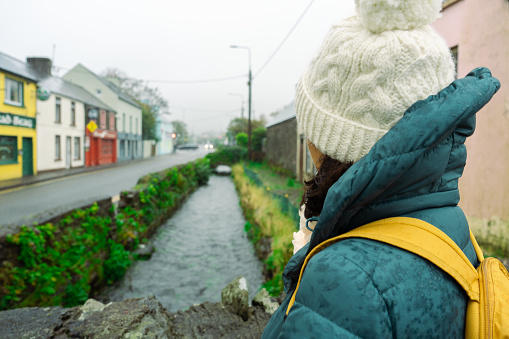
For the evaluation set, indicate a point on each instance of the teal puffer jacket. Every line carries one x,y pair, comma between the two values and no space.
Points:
363,288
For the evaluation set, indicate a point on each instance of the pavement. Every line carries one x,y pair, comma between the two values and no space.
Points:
45,176
38,198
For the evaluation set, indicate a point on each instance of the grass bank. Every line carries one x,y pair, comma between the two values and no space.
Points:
60,262
269,227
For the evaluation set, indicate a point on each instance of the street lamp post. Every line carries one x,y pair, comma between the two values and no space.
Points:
250,78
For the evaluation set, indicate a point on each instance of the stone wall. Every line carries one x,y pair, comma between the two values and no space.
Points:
281,146
145,318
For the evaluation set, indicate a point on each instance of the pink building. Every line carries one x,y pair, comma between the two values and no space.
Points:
478,32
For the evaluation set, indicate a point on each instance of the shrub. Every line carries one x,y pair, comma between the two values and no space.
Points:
227,155
57,261
257,137
241,139
117,263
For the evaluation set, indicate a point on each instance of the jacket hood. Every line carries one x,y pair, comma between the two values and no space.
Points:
415,166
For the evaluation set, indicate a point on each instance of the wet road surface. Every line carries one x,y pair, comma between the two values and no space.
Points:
39,202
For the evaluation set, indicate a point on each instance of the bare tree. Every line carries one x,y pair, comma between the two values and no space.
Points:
139,89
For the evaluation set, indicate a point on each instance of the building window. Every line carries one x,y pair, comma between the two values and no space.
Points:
58,110
122,148
103,120
454,52
77,148
112,121
57,147
136,127
13,92
123,122
130,124
8,150
73,113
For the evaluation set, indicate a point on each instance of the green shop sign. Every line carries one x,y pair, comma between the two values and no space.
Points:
16,120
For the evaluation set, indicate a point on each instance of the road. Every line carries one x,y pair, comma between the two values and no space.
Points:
39,202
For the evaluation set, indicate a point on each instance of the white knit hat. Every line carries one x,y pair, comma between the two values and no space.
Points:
370,69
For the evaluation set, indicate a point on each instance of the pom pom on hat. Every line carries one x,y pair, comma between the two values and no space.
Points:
387,15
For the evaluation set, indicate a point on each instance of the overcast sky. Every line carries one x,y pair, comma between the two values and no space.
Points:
180,40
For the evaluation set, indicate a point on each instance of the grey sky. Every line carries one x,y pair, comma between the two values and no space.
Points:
179,40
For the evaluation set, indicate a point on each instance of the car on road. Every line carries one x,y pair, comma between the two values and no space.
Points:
187,146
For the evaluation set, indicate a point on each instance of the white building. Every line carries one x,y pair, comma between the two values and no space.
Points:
128,112
60,120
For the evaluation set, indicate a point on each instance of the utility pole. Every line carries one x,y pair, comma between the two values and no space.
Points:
249,83
249,113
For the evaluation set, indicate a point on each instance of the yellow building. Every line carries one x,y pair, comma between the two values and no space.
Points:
17,118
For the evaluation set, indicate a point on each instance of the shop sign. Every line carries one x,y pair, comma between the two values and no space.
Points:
92,126
43,93
16,120
105,135
93,113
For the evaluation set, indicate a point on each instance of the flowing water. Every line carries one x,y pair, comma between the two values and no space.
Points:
198,252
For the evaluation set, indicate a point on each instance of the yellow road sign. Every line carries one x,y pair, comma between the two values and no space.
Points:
92,126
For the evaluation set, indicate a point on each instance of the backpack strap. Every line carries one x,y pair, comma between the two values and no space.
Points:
478,251
418,237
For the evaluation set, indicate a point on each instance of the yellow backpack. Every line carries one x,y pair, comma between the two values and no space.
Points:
487,286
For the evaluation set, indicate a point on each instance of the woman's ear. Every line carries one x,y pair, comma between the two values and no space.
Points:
316,155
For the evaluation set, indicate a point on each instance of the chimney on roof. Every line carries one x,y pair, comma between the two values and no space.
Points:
41,66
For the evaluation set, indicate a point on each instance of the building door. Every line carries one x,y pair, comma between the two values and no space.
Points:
68,152
28,160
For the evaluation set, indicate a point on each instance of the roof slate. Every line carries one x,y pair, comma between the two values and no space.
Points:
16,67
286,113
121,94
72,91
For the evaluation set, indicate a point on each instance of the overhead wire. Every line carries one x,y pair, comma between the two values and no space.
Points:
204,110
58,68
284,39
269,59
197,81
231,77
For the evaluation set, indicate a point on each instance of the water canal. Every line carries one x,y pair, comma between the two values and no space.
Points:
198,252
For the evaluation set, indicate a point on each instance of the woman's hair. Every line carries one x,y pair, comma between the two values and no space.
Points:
317,187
